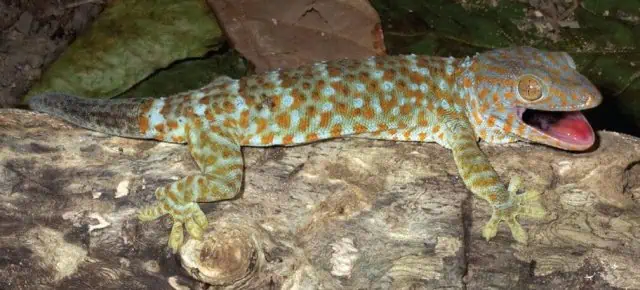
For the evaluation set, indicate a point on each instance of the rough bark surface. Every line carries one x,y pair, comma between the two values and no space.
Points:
342,214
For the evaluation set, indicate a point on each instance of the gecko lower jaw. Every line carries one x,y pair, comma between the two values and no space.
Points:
570,130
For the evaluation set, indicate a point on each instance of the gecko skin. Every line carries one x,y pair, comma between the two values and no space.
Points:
499,96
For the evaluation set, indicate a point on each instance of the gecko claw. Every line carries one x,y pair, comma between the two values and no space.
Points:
526,204
183,215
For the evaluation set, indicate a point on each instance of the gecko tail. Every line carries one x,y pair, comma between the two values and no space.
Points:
118,117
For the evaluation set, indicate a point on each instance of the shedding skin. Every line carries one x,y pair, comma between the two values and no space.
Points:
500,96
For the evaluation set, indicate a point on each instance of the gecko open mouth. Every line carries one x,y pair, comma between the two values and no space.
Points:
571,128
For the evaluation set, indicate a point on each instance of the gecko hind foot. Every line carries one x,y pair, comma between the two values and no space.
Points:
185,214
527,204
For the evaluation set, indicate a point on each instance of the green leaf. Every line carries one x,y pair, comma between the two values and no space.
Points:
128,42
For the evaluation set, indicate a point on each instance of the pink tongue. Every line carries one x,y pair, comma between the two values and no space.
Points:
573,127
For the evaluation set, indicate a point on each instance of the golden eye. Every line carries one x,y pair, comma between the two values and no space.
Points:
530,88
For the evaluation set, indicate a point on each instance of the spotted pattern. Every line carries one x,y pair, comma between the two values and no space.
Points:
451,101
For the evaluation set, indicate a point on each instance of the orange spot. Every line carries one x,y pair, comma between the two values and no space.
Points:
363,77
166,109
401,86
324,119
177,139
276,100
334,72
484,108
356,112
368,113
146,107
315,95
483,93
476,118
402,125
508,95
204,101
350,78
507,125
422,120
283,120
491,122
382,127
288,139
204,138
422,136
197,122
244,119
269,86
180,186
389,75
287,81
298,99
311,111
466,82
261,125
393,131
373,86
229,123
416,78
171,195
435,129
495,98
405,109
306,85
430,106
320,84
404,70
359,128
340,88
267,139
303,125
159,128
336,130
482,134
441,136
143,124
407,135
228,107
342,108
311,137
172,124
209,115
387,106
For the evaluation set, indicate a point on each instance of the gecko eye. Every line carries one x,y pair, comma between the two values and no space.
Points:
529,88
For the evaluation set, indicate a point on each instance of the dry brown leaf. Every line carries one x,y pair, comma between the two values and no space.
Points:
289,33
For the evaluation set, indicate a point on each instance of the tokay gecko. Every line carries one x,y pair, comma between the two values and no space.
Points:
499,96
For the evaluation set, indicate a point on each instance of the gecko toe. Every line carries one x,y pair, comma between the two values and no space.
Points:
176,238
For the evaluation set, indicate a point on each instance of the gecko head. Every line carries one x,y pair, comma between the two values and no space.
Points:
526,93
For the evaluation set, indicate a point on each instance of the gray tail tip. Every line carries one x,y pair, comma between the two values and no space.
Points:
41,102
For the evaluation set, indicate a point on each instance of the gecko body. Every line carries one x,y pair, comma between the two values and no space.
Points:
499,96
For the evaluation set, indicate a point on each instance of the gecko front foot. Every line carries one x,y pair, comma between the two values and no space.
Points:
526,204
182,213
